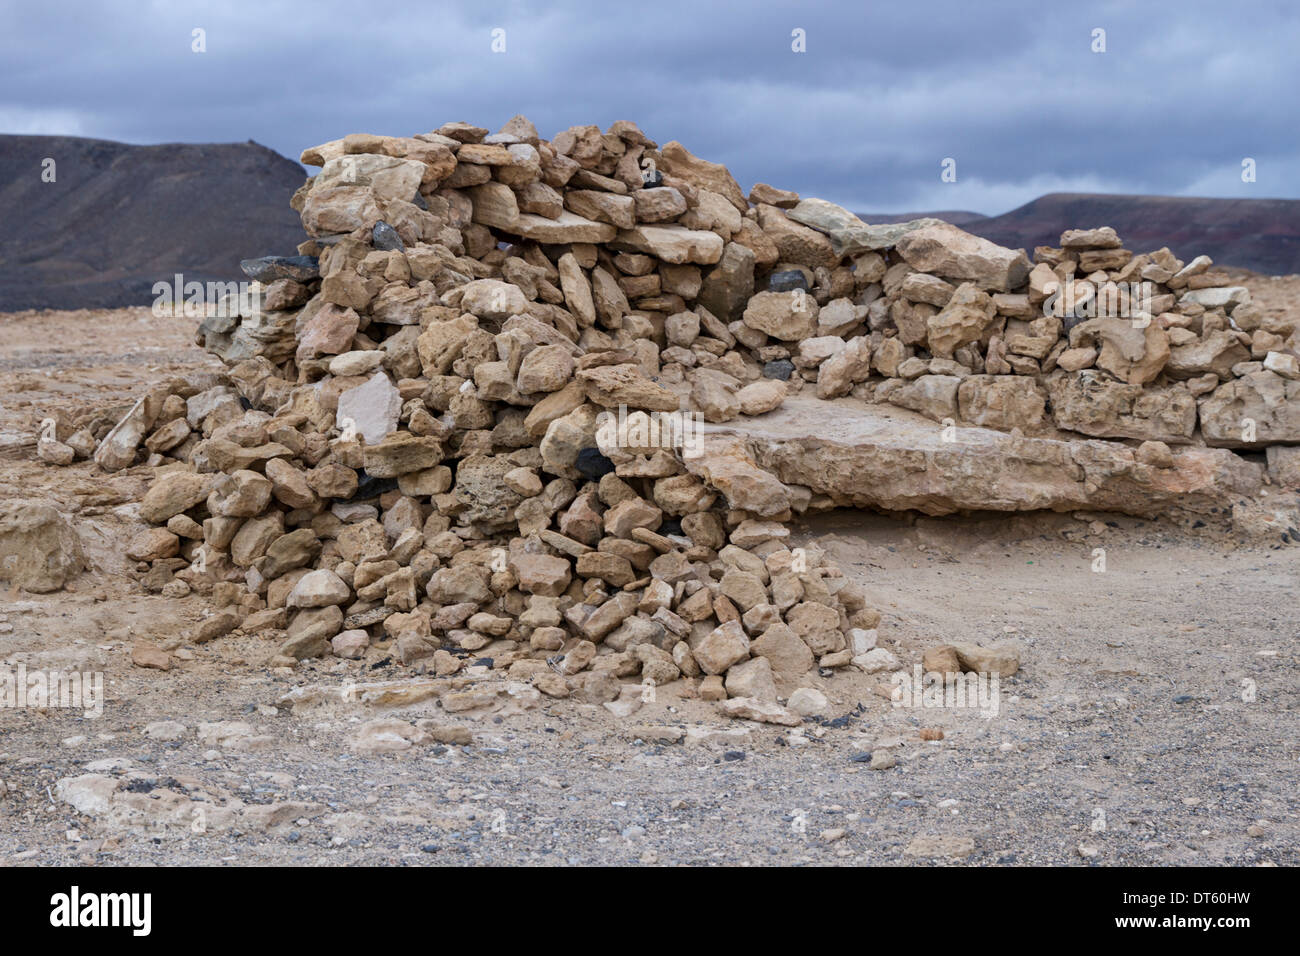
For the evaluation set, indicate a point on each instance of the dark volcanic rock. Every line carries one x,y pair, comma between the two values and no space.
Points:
385,237
592,465
269,268
787,281
780,368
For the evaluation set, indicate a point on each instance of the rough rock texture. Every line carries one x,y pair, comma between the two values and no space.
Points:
467,420
868,456
39,550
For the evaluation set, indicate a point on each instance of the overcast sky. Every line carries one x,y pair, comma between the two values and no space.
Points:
885,92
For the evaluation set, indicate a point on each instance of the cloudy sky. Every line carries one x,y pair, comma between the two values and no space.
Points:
882,94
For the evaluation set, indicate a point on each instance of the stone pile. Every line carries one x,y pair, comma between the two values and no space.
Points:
414,444
1093,339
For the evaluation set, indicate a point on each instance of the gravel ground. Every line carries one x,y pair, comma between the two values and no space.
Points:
1153,720
1125,738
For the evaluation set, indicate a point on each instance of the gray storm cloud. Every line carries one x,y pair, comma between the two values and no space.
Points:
1012,92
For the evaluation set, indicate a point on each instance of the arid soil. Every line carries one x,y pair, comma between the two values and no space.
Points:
1154,719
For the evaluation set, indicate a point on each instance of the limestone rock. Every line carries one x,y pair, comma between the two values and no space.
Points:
751,678
949,252
869,456
1001,401
673,244
721,648
788,316
39,551
615,385
764,711
173,493
849,235
373,409
1257,409
1001,659
1091,404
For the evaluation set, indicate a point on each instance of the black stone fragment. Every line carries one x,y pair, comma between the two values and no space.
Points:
385,238
779,368
269,268
787,281
368,486
592,465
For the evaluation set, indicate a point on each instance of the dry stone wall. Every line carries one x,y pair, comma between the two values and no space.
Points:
432,431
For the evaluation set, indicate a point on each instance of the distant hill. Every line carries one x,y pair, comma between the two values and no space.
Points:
1262,235
119,218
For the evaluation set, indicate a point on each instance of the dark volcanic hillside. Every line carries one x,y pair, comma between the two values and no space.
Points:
119,218
1258,234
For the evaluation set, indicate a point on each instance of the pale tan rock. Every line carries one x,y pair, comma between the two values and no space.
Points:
564,228
577,290
962,321
934,396
849,235
673,244
1091,404
789,316
1001,401
541,574
1132,354
768,712
620,211
1155,453
153,544
660,204
495,204
944,250
1260,408
401,453
539,199
1073,360
679,161
1002,659
614,385
714,395
851,365
173,493
547,368
751,678
795,243
1284,466
785,650
721,648
761,397
854,457
726,465
762,193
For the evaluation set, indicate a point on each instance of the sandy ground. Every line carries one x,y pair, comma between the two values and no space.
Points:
1154,719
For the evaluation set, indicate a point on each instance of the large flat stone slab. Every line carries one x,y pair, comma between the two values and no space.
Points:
879,456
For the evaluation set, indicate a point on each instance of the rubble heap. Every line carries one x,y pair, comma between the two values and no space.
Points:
424,433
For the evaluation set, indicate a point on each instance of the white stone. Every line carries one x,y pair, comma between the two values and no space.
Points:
373,408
